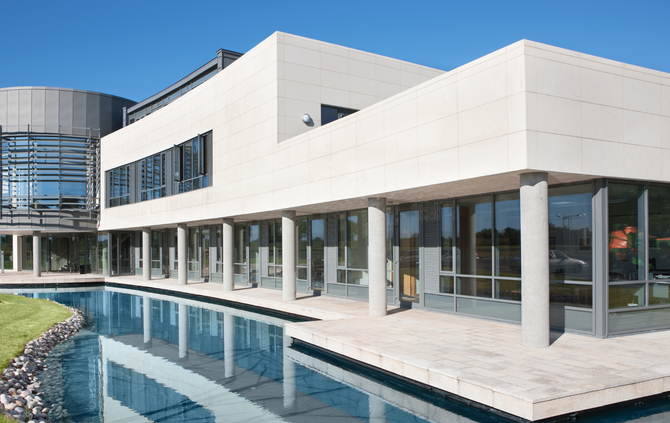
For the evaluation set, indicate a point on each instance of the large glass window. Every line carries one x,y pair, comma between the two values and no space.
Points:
119,186
317,253
447,236
191,160
353,247
153,177
570,217
240,249
473,232
254,252
659,238
274,250
626,232
508,235
301,248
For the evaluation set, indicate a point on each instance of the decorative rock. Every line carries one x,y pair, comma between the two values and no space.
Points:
19,386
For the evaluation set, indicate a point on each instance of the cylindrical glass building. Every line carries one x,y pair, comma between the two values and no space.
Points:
50,173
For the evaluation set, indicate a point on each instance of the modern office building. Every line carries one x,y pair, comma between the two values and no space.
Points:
51,173
526,186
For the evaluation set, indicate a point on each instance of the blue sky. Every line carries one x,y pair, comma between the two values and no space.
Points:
135,49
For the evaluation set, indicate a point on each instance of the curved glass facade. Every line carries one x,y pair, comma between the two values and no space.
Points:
49,171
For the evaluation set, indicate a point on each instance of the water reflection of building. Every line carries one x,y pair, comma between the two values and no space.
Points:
236,368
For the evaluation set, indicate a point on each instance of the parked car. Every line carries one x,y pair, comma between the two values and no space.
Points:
559,262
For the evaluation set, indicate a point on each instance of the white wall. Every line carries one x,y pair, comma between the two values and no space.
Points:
474,129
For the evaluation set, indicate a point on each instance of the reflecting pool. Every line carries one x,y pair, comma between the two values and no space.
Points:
145,357
150,357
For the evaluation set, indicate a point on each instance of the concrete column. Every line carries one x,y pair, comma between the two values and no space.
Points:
377,255
377,409
534,260
146,254
17,249
146,314
37,249
288,254
229,344
228,251
181,254
288,371
183,330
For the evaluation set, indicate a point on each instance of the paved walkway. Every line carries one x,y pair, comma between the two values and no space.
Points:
477,359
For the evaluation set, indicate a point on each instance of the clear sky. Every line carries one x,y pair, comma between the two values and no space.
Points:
134,49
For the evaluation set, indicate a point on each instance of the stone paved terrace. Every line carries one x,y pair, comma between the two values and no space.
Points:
477,359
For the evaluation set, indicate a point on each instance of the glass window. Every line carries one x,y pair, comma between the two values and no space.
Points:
659,235
331,113
476,287
341,237
625,296
508,290
240,239
447,236
659,293
473,234
389,247
626,232
301,242
446,284
570,233
254,252
572,295
318,253
508,236
357,239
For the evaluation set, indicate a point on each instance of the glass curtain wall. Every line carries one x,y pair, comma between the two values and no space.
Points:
480,256
352,247
638,256
240,254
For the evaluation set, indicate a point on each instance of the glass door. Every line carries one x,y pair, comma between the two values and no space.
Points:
125,253
408,269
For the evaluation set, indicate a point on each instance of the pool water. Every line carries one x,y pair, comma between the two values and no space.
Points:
186,361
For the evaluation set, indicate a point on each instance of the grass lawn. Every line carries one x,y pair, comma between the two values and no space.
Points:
23,319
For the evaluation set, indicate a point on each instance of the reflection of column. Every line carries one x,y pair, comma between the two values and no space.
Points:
146,254
377,255
534,260
181,254
377,409
229,344
16,252
228,269
37,263
183,331
146,311
289,376
288,254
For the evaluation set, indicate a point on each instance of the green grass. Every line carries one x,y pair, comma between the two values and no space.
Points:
4,419
23,319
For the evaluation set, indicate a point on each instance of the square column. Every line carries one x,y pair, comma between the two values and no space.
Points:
146,254
228,251
37,249
377,256
16,252
288,254
534,259
181,254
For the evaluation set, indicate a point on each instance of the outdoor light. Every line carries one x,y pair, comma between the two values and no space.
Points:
306,118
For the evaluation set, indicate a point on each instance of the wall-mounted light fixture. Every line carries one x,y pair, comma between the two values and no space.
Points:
307,119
